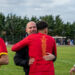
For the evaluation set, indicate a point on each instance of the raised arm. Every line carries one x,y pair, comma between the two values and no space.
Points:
20,44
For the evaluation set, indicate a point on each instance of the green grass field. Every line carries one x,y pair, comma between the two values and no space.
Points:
65,60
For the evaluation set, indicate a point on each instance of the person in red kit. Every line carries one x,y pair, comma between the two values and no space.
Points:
40,45
3,53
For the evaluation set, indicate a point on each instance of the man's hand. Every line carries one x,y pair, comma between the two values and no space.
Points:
4,59
48,57
31,60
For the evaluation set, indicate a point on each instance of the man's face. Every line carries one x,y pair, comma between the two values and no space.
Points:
31,28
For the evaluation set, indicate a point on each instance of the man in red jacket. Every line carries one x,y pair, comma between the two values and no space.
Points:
3,53
40,45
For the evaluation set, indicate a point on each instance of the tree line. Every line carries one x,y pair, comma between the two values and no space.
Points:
12,27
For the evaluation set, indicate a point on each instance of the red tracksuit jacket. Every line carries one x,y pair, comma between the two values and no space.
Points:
38,45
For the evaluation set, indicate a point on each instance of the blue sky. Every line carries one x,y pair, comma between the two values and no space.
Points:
29,8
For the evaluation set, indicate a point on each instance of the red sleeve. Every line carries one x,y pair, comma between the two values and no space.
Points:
3,49
20,44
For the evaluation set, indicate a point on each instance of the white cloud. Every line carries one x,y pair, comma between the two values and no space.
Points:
59,3
39,7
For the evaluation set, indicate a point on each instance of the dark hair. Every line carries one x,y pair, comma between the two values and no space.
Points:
41,25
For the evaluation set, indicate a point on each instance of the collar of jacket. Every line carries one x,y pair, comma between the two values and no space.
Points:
26,34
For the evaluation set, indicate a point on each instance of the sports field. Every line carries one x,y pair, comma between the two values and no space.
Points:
65,60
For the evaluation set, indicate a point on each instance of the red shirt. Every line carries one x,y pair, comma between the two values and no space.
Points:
38,45
3,49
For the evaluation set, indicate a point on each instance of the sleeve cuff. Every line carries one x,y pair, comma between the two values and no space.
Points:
3,53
